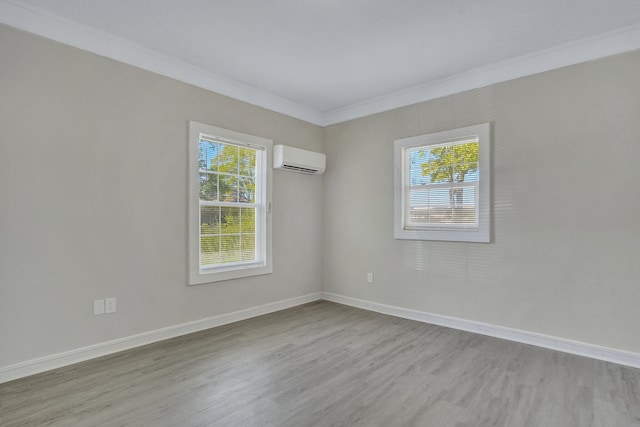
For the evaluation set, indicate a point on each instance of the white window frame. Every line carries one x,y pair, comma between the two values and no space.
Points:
476,233
264,265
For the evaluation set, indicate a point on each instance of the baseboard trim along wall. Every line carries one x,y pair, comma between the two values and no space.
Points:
540,340
42,364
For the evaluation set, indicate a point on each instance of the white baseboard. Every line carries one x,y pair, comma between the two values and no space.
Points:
42,364
546,341
35,366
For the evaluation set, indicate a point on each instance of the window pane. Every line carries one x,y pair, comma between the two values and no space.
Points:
464,196
416,174
248,247
440,206
209,250
440,173
466,162
208,187
228,158
442,155
208,159
248,220
209,220
428,165
466,153
209,239
464,207
247,190
247,161
230,220
419,215
467,172
440,197
228,188
419,197
230,245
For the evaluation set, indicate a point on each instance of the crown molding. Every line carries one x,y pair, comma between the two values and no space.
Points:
584,50
47,25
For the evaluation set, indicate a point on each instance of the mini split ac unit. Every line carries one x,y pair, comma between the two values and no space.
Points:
298,160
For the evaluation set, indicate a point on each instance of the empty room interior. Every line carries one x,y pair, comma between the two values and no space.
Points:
320,213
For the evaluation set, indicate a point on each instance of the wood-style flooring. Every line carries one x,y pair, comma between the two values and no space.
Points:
325,364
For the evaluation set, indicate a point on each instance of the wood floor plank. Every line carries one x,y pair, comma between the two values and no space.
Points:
325,364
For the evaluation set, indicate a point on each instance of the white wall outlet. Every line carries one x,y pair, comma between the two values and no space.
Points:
98,306
110,305
369,277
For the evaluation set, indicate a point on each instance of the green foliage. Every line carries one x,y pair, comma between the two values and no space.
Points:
232,177
451,163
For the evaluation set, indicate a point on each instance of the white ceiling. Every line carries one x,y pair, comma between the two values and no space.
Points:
328,60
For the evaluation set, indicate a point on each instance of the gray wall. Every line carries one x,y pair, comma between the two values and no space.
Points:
93,193
565,257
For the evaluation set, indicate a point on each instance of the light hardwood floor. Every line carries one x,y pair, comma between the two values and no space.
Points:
325,364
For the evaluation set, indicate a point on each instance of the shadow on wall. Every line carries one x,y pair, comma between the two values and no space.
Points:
479,261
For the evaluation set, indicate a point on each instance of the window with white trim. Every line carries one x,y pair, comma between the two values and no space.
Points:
442,185
229,204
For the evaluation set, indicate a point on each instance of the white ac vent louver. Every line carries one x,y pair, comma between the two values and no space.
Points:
298,160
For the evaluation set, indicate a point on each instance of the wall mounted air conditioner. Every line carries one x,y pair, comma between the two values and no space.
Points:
298,160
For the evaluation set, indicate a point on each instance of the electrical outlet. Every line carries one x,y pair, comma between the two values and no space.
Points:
369,277
110,305
98,307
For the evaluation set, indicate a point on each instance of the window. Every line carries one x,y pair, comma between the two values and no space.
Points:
229,204
442,185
